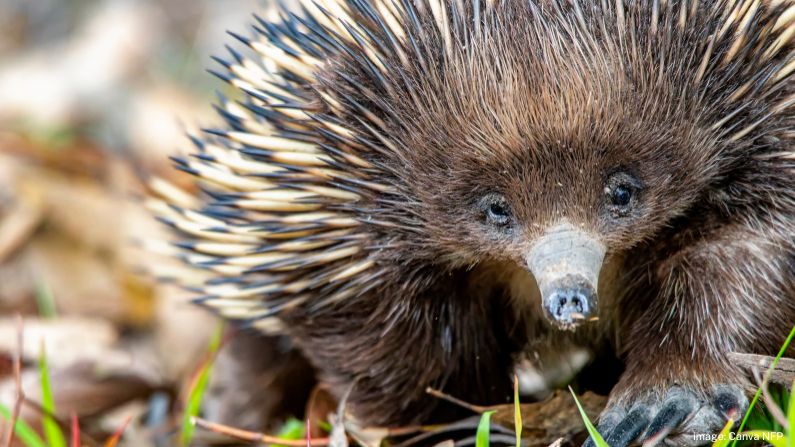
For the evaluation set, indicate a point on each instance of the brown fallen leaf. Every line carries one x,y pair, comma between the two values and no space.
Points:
557,417
17,226
67,339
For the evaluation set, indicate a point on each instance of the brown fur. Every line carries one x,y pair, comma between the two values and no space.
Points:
541,102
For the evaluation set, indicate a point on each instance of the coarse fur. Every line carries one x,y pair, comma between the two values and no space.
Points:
342,202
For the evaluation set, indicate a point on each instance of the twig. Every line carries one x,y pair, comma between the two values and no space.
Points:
454,400
408,430
245,435
783,373
20,395
75,431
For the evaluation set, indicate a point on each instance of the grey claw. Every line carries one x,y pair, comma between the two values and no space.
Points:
675,410
729,402
629,428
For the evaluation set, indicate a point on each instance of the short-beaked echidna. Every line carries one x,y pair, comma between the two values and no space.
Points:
421,192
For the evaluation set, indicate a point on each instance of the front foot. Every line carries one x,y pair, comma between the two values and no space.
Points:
680,416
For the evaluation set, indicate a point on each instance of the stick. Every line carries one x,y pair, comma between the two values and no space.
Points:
782,374
251,436
456,401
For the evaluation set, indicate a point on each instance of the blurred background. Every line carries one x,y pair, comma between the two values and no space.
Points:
94,96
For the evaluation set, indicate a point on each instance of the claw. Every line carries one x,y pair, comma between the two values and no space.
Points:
728,403
675,410
630,428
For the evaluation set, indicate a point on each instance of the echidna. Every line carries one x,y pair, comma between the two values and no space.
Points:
421,192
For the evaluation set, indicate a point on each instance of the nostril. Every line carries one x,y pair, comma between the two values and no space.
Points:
569,300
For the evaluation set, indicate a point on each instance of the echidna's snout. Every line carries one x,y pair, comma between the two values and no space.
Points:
569,300
566,262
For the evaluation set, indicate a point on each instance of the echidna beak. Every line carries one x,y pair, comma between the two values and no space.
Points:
566,262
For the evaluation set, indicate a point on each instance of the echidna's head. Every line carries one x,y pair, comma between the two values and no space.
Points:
548,143
549,136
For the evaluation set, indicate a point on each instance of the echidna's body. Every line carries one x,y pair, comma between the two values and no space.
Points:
381,190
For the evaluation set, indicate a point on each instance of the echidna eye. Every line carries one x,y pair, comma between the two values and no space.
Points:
621,192
621,195
496,210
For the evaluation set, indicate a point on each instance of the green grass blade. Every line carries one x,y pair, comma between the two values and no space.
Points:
790,438
293,429
45,301
24,432
194,404
598,439
759,390
769,437
725,435
52,431
199,387
484,430
517,412
325,426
